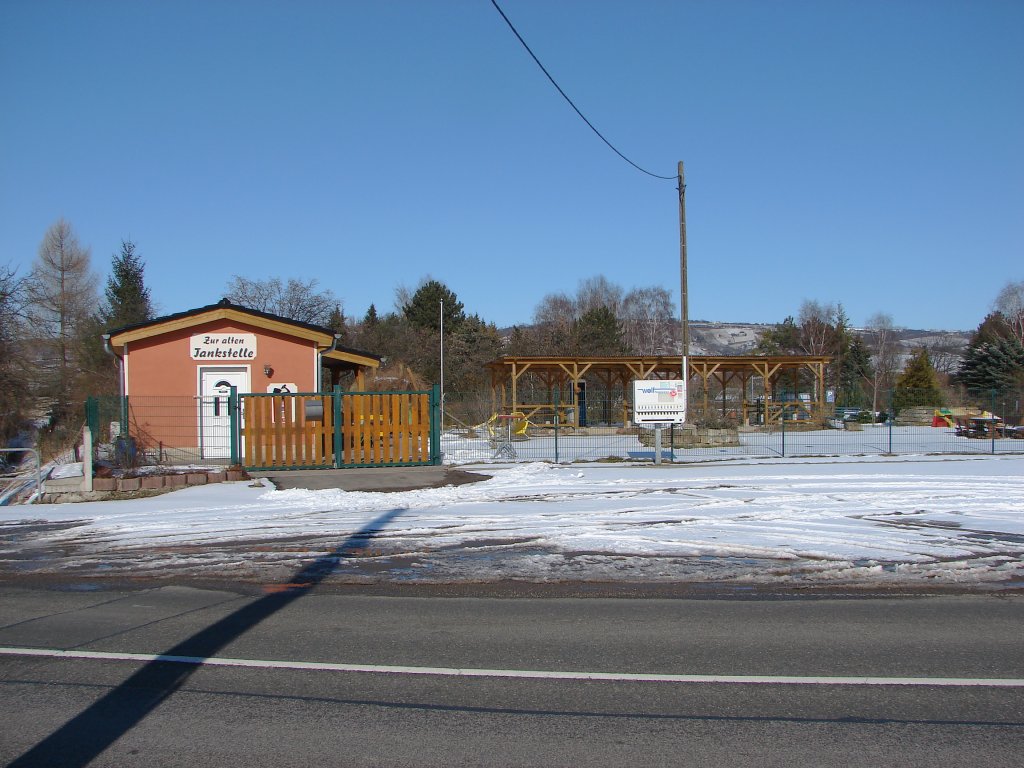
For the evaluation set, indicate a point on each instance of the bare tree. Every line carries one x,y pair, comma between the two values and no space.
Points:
61,297
596,292
1010,304
555,309
881,337
946,353
553,319
817,323
14,381
403,297
647,315
296,300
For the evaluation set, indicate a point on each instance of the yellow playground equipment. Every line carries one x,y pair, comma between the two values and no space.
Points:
506,427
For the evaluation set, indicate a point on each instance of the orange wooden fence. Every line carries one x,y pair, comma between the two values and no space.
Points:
337,429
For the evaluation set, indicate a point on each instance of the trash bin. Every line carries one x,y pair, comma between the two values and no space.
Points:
125,451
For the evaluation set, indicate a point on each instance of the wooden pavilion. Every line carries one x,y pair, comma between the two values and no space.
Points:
767,386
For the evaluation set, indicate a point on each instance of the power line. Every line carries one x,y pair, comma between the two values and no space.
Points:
571,104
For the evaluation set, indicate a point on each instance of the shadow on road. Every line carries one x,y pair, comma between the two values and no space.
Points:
85,736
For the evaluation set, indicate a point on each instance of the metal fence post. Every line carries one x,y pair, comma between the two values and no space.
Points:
992,410
92,414
435,424
555,422
782,419
891,415
233,407
339,447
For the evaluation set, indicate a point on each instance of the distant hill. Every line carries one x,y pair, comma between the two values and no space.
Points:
718,338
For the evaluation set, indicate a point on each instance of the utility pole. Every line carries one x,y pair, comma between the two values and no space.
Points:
684,299
441,323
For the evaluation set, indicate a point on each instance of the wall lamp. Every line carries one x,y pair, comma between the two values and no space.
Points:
268,370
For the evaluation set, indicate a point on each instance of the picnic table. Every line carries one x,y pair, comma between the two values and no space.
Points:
986,427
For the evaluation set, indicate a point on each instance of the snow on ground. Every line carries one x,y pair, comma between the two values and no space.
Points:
871,439
867,521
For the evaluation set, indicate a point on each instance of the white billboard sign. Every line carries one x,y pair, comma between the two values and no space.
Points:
223,346
659,401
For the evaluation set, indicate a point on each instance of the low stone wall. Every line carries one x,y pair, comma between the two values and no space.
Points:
918,416
689,436
142,485
172,481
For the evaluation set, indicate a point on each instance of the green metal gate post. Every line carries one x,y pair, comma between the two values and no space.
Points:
336,408
233,408
435,424
92,415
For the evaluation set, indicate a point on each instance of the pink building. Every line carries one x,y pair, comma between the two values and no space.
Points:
177,371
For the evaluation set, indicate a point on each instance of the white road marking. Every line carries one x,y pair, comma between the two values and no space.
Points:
626,677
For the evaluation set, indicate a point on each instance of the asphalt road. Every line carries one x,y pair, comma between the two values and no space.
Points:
295,698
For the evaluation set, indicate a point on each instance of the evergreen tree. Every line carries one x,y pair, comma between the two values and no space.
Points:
126,302
597,332
336,322
127,297
856,370
425,306
371,319
780,339
472,346
785,338
995,366
918,384
839,376
367,334
992,328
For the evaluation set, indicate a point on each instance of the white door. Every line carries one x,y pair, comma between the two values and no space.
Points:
214,418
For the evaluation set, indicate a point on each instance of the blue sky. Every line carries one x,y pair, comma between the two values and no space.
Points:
864,152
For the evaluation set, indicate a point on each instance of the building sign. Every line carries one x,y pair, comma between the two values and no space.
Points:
223,346
659,401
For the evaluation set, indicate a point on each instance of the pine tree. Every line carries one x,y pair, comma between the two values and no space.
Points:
597,332
336,322
126,302
425,308
467,351
780,339
995,367
991,329
520,342
918,384
371,319
857,370
127,297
